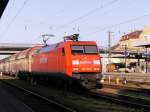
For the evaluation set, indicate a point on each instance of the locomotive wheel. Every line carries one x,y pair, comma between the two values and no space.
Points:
88,84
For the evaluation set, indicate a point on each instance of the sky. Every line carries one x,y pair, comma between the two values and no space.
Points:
24,21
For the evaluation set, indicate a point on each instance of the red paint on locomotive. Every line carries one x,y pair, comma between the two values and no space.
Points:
69,58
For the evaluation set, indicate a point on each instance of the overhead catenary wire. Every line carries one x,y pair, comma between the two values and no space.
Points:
59,12
14,18
109,11
85,15
121,23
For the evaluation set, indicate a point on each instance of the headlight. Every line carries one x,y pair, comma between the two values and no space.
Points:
96,69
75,62
96,62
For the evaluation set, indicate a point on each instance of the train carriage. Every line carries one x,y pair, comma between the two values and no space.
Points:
20,62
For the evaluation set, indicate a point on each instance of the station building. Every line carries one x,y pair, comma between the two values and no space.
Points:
133,39
133,51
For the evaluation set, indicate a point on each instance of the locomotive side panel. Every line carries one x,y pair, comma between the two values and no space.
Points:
45,62
68,60
61,60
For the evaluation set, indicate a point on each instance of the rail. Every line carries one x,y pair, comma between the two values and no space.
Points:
59,105
137,103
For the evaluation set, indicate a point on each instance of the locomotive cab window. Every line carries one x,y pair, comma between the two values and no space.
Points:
91,49
77,49
63,51
84,49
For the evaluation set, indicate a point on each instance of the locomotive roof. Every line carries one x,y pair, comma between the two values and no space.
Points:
73,42
78,42
51,47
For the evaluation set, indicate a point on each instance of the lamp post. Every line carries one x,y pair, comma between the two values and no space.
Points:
125,56
146,60
109,51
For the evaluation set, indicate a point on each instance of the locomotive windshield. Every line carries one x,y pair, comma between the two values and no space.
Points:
84,49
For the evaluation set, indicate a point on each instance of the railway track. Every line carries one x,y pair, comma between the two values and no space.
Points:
137,103
82,102
128,88
60,107
115,86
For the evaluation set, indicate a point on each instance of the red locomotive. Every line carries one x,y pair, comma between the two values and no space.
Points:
71,60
